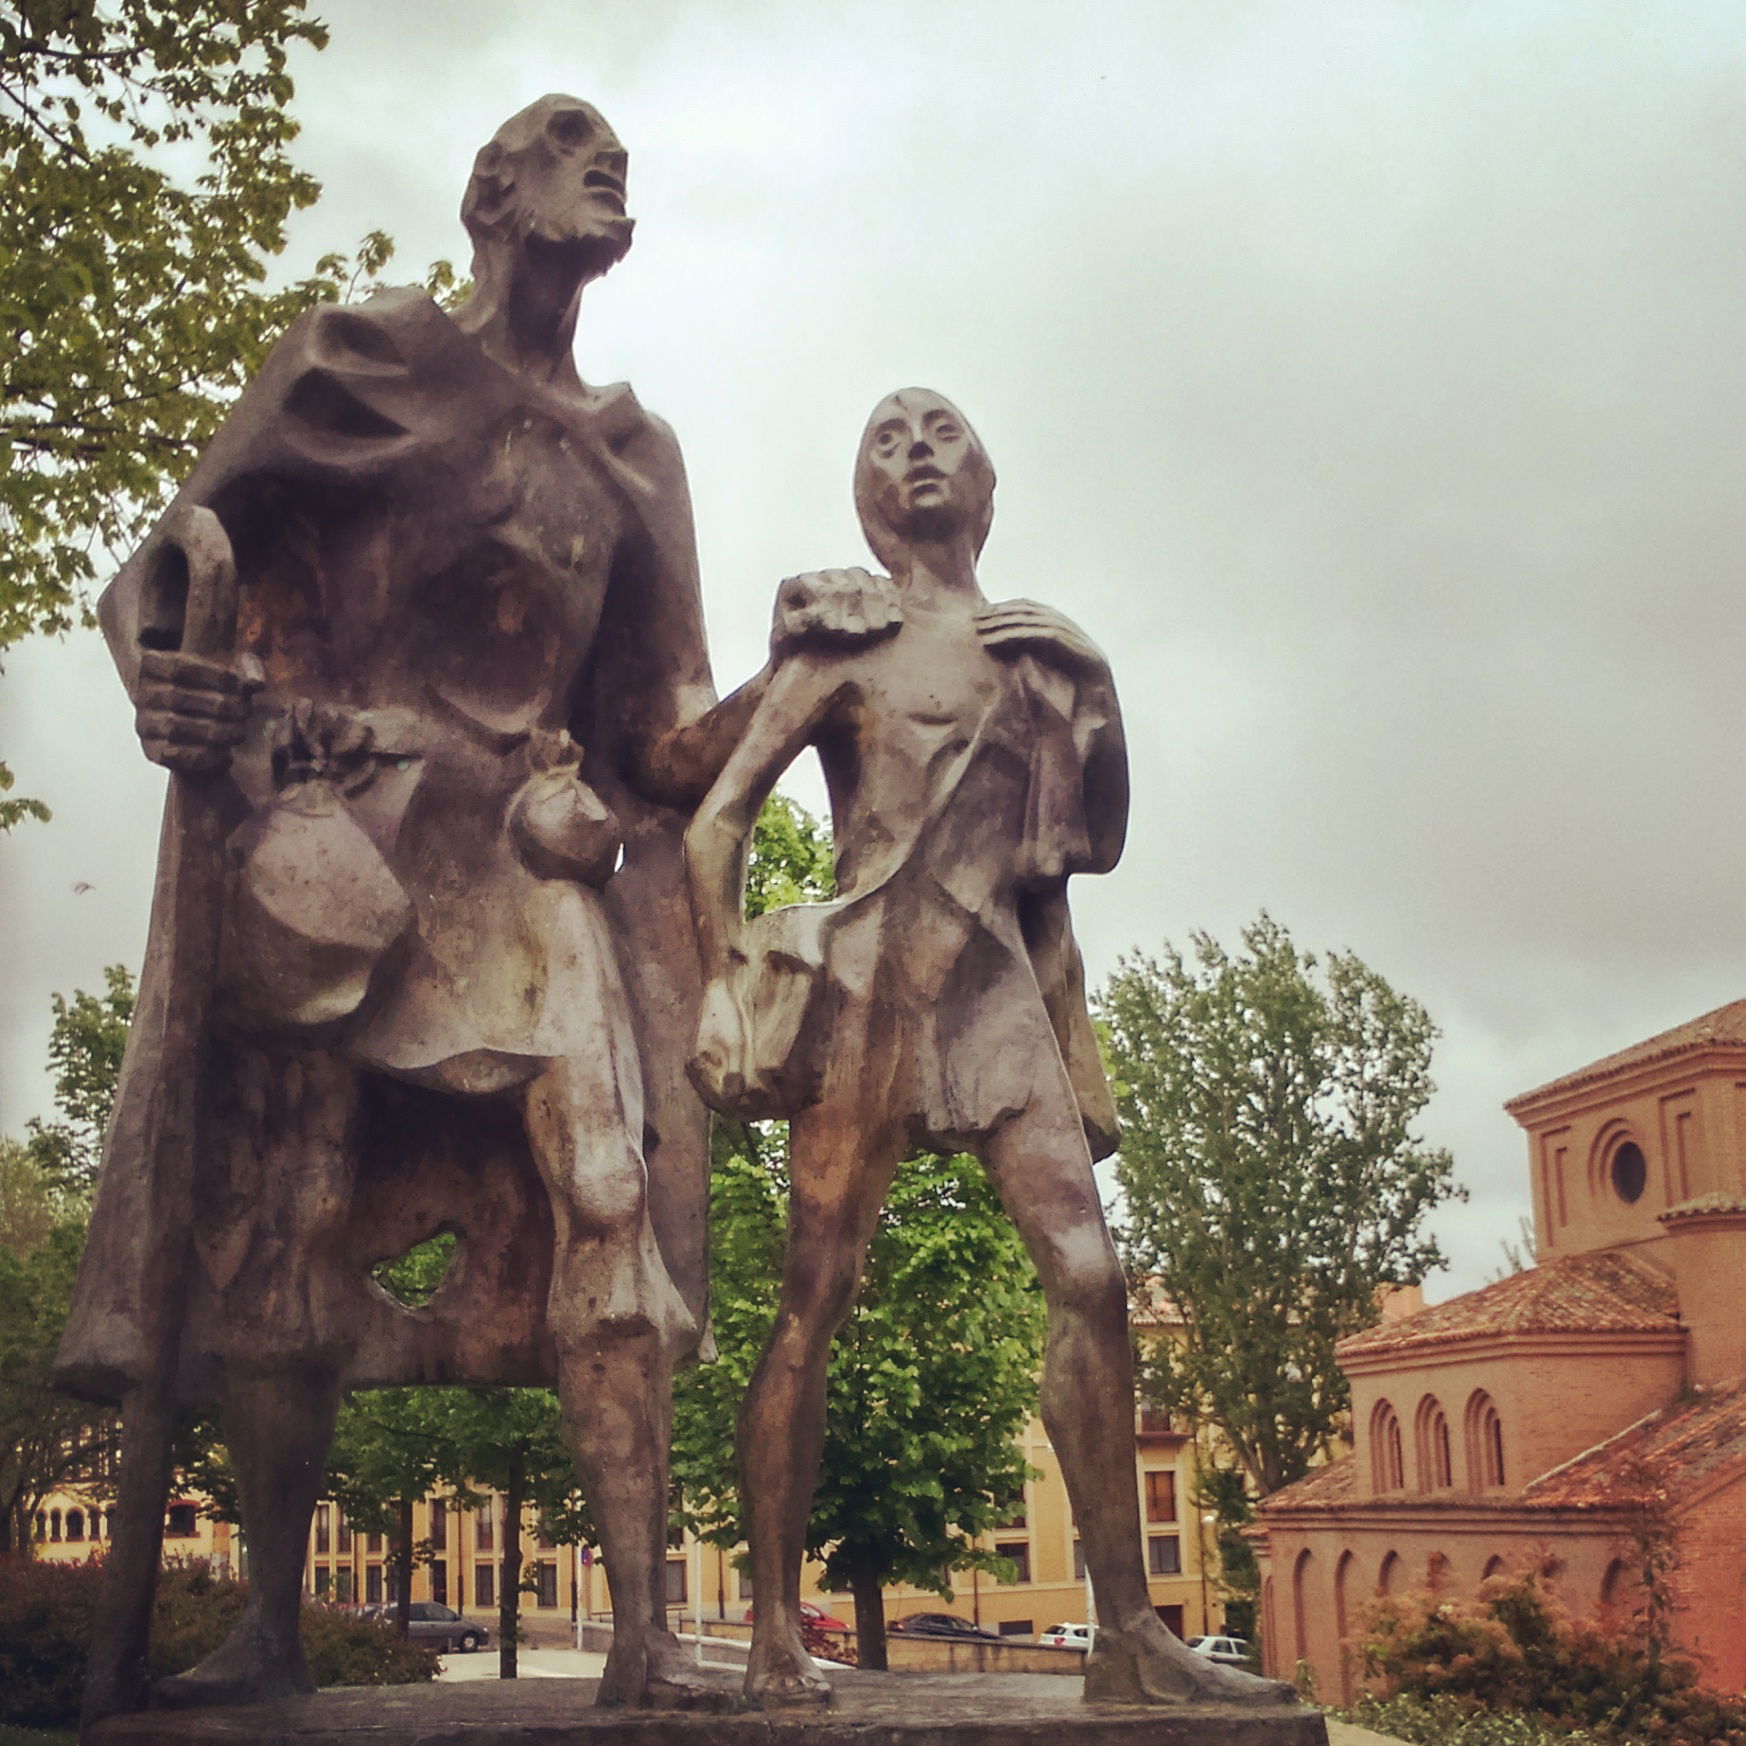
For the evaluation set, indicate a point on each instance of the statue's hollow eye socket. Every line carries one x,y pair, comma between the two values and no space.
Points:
569,129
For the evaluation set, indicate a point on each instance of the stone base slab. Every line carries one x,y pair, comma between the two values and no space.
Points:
871,1709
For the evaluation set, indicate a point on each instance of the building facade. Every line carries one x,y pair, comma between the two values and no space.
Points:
465,1546
1566,1414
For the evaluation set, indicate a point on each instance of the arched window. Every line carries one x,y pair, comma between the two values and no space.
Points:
1484,1439
1431,1439
75,1524
1438,1573
1614,1585
1387,1459
1391,1578
54,1524
1494,1566
1345,1574
1300,1602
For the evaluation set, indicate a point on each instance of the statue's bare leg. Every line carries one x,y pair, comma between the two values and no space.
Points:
619,1324
283,1125
840,1170
1042,1169
277,1427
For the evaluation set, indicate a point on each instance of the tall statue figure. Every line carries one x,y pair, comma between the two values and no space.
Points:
420,642
975,760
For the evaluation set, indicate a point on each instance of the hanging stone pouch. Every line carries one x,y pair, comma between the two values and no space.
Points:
317,907
560,827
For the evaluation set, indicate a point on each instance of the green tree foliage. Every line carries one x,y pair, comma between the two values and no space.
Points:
148,182
1517,1651
46,1439
1273,1177
86,1043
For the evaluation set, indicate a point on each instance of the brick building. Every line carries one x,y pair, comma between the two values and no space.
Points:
1572,1409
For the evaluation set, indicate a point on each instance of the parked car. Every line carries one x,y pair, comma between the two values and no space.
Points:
433,1624
1227,1651
940,1625
1068,1636
817,1617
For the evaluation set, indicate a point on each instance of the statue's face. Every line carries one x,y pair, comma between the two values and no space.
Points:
553,180
921,470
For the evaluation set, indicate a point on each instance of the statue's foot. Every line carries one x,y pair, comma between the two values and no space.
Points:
781,1675
248,1667
660,1673
1149,1665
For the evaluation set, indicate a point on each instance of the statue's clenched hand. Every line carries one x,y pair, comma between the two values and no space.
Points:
1026,627
834,606
190,712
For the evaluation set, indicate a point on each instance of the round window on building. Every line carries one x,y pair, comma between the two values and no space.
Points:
1630,1172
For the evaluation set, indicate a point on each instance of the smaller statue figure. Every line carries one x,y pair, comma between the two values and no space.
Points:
975,760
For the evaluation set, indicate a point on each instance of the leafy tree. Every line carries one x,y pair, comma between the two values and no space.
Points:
46,1439
86,1043
148,182
1274,1182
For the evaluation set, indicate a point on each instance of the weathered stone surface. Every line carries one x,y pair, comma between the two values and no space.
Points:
871,1709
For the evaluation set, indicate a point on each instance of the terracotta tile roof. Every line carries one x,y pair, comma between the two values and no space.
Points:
1725,1026
1320,1488
1605,1292
1700,1204
1684,1445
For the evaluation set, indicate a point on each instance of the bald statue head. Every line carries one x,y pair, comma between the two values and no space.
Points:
552,181
922,474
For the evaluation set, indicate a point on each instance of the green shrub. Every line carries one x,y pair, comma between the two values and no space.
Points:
1442,1721
1516,1654
46,1614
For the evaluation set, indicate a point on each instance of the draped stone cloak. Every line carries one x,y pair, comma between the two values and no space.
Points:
420,539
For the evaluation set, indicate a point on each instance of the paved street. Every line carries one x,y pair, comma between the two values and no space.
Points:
531,1664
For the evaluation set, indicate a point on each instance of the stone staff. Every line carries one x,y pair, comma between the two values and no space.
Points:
157,1108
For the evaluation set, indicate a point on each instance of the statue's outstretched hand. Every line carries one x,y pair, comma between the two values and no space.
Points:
1026,627
190,712
840,607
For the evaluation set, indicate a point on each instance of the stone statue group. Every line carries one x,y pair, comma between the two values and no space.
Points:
449,935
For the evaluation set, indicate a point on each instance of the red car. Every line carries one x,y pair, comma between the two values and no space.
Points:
814,1616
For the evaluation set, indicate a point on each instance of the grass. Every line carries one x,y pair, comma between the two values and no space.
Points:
10,1736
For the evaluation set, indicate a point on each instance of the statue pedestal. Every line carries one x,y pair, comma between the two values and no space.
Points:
872,1709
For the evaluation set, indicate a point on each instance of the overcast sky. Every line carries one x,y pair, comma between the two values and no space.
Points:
1367,378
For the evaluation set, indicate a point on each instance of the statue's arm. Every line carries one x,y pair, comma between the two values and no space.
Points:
796,700
1025,627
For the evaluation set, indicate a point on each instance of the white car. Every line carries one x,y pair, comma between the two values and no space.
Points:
1228,1651
1068,1636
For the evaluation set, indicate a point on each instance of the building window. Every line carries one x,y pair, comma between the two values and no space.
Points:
745,1577
1387,1458
343,1585
1019,1551
1629,1172
439,1581
75,1524
1019,1518
1078,1561
1153,1421
1431,1435
1485,1462
1163,1554
373,1585
439,1525
42,1525
55,1524
1161,1494
547,1543
374,1545
323,1581
485,1526
1015,1627
182,1522
391,1584
675,1582
546,1583
342,1531
484,1585
323,1528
